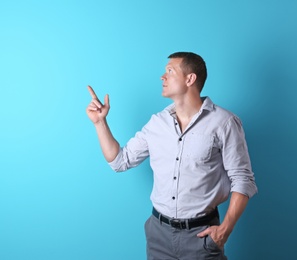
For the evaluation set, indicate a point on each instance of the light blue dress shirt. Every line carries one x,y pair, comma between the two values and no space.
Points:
196,170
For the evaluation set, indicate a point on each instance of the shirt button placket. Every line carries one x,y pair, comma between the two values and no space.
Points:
175,184
176,173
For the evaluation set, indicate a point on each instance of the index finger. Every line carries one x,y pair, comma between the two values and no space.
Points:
92,92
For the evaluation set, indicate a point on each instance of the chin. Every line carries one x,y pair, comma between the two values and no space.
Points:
164,94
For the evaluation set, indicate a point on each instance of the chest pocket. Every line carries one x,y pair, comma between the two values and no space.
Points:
198,147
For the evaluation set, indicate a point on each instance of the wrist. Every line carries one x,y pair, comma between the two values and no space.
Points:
226,227
100,123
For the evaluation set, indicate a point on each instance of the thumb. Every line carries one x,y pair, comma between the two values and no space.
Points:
106,100
204,233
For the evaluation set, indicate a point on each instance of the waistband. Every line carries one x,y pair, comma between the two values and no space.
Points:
187,223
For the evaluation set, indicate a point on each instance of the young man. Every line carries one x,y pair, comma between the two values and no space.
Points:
198,155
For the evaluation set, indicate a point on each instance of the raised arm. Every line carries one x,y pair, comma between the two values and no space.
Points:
97,112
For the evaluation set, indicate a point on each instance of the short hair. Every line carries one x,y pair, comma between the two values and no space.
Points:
192,63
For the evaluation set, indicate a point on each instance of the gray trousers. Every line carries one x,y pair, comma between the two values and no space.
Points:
167,243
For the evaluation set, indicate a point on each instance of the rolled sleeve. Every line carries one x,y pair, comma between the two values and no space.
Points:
131,155
244,185
117,164
236,158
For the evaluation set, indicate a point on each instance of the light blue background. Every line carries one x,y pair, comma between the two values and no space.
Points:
58,197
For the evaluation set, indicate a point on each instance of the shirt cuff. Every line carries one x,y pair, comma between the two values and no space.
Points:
116,163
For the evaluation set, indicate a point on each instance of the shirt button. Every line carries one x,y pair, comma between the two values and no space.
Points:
174,178
177,158
173,198
180,139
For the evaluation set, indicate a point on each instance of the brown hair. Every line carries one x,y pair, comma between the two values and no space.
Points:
192,63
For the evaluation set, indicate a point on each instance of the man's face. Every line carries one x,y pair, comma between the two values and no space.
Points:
174,80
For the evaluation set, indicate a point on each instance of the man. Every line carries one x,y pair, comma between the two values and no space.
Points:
198,155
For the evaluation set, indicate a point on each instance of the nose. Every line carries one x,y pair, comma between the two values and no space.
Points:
163,77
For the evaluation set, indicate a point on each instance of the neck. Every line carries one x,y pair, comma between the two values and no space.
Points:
186,109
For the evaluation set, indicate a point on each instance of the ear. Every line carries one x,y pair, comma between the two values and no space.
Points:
191,78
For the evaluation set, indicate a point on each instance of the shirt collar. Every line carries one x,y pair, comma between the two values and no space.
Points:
206,105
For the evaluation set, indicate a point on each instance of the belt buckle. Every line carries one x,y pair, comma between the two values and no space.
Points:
176,223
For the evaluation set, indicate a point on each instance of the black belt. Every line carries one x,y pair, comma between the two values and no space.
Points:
187,223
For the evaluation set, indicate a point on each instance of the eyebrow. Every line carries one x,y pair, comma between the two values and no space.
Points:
169,67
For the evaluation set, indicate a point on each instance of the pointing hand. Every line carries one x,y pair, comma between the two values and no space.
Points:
97,111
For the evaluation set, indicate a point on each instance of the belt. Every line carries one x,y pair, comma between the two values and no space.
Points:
187,223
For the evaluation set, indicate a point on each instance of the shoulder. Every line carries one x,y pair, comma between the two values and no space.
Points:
164,114
160,119
217,110
222,117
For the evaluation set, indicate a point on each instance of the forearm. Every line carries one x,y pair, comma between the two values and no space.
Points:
236,207
221,233
109,145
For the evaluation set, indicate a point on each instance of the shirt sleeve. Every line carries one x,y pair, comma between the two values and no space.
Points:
132,154
236,158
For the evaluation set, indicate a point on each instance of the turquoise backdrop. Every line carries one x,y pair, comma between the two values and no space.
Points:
59,199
